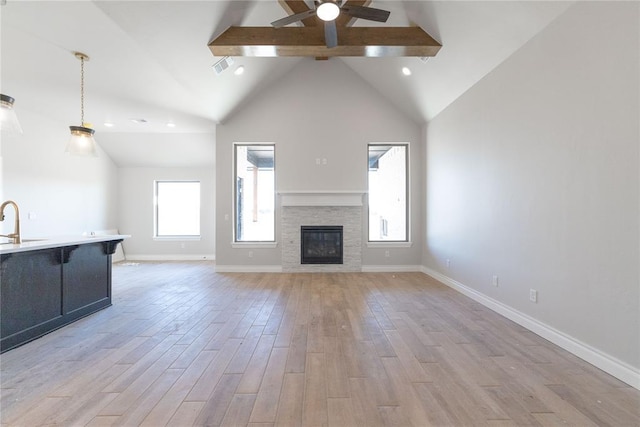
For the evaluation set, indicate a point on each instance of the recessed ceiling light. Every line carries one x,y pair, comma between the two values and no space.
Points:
139,120
239,70
108,124
171,125
406,71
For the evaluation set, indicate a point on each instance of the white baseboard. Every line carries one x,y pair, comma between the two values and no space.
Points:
173,257
118,255
278,268
391,268
248,268
621,370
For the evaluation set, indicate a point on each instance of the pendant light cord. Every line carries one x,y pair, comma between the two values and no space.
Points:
82,57
82,91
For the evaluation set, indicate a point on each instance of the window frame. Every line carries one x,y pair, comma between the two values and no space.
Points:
407,240
251,243
156,209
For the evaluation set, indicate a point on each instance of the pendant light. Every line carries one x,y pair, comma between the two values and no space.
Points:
81,142
8,120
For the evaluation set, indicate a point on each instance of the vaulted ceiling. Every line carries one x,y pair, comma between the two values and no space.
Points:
150,59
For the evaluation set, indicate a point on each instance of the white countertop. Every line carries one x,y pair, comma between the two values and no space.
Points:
35,243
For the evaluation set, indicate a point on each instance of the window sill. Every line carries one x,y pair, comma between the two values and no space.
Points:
254,245
176,238
374,245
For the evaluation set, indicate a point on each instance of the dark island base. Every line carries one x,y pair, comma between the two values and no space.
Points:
46,289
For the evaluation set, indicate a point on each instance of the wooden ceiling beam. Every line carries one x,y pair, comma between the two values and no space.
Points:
292,7
297,6
309,41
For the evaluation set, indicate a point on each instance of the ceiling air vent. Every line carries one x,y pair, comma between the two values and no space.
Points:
223,64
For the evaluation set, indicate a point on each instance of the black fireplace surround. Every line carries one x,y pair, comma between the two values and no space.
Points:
321,244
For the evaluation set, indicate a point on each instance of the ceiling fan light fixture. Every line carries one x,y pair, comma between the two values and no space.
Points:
328,11
8,119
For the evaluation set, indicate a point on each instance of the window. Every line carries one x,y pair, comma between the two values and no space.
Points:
177,209
388,189
254,195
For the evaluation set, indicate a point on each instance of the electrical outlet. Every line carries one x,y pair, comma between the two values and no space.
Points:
250,254
386,254
494,281
533,295
448,262
182,245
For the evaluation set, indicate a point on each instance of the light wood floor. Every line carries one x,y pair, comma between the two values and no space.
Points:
183,345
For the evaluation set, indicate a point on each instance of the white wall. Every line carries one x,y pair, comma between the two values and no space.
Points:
321,109
136,214
533,175
67,195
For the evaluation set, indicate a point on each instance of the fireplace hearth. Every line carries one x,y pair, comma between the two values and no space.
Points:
321,244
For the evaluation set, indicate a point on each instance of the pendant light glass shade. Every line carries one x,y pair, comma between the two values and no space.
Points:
81,142
8,120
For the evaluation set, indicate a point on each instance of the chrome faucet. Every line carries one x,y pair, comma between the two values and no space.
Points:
16,227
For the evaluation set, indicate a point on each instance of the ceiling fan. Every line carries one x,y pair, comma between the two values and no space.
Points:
328,11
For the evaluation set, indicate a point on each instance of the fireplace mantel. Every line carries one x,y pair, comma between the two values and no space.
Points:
321,198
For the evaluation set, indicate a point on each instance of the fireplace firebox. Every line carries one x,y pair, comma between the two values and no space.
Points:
321,244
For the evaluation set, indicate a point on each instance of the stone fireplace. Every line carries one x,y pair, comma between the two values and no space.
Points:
320,210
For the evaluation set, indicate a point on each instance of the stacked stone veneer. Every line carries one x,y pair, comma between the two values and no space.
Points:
294,217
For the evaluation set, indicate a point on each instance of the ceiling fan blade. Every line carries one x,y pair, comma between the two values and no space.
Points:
293,18
330,34
369,13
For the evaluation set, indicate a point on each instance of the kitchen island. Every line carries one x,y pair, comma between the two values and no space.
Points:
48,283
